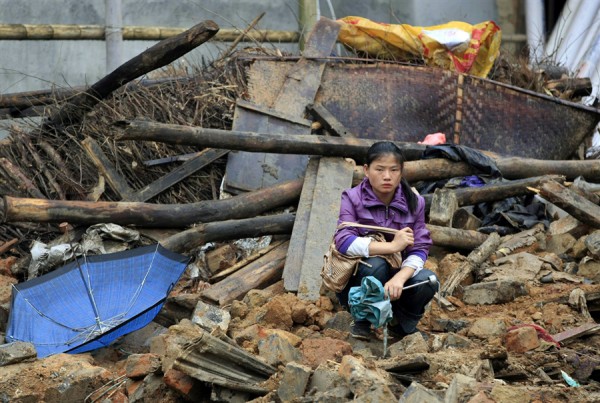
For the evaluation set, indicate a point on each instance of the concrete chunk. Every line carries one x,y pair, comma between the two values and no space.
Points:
417,393
11,353
494,292
294,381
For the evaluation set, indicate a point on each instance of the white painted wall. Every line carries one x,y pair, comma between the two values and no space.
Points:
33,65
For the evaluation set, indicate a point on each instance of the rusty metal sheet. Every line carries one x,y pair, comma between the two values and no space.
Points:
405,103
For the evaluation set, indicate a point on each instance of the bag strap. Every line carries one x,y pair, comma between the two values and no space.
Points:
345,224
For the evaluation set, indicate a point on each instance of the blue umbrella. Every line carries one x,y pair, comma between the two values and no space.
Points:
92,301
368,302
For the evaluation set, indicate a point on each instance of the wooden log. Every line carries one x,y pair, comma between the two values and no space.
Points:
574,204
463,219
280,224
576,85
455,238
259,274
154,57
474,260
100,161
132,32
496,191
443,205
511,168
254,142
150,215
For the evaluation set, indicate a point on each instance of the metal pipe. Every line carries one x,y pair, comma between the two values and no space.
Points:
114,35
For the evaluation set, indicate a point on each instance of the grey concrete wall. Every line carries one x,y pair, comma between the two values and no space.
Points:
32,65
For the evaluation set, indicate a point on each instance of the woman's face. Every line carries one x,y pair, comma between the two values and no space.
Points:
384,175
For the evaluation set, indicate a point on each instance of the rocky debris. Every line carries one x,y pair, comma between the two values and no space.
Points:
11,353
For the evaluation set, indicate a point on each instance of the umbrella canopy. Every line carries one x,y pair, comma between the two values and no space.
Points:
93,300
368,302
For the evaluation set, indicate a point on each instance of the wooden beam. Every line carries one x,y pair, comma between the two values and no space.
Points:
178,174
105,167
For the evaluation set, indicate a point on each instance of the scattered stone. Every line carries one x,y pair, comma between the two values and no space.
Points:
18,351
293,382
153,389
417,393
277,312
486,328
300,312
340,321
448,325
461,388
187,386
453,340
57,378
590,269
372,384
326,378
494,292
138,342
210,317
519,266
222,394
568,225
522,339
505,393
560,243
592,242
169,345
140,365
317,351
481,397
277,350
238,309
413,343
580,249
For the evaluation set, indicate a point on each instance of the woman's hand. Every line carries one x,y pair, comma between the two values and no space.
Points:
393,288
403,239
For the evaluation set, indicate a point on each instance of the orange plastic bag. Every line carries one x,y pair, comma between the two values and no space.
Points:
455,46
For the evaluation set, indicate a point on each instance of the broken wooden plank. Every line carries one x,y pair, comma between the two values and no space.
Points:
334,175
178,174
293,263
580,331
100,161
574,204
150,215
474,259
329,122
159,55
262,272
455,238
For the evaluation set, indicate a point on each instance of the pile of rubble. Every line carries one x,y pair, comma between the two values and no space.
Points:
518,257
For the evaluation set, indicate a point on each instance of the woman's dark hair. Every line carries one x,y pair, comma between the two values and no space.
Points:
381,148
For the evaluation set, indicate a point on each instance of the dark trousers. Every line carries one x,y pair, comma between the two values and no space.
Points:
410,307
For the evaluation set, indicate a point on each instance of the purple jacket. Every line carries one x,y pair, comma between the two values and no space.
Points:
361,205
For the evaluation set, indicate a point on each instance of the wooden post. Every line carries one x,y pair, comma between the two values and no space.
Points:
307,18
574,204
463,219
443,205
